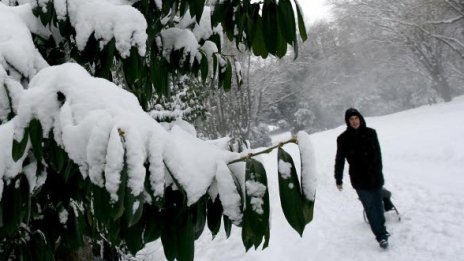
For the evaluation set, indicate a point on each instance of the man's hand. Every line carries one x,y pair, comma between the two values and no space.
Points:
340,187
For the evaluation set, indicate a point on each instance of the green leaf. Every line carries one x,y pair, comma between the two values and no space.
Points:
256,215
75,227
281,48
227,225
132,68
153,225
133,207
248,28
114,231
290,191
46,17
307,204
15,205
215,38
36,134
148,90
214,215
70,169
259,46
159,75
103,68
281,41
101,204
133,237
184,6
18,148
38,247
91,50
228,77
287,21
267,236
270,24
133,204
204,67
117,208
308,209
65,27
11,113
228,23
301,24
198,212
225,76
241,27
169,241
220,11
175,207
186,238
196,9
145,6
215,64
61,158
167,5
251,16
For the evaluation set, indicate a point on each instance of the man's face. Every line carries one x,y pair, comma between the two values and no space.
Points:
354,122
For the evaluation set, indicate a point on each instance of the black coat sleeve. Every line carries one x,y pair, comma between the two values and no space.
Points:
339,161
377,152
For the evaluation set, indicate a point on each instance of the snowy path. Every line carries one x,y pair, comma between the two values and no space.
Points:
423,153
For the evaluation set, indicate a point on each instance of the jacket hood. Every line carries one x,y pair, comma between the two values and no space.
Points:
353,112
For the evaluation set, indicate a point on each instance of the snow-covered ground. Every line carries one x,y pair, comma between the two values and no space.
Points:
423,156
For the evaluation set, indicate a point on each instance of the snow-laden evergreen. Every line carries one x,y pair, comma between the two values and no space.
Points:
96,122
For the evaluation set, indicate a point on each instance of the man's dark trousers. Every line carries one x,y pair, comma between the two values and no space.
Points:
372,201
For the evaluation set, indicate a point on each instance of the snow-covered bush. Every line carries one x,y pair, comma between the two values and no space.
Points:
260,136
82,159
304,119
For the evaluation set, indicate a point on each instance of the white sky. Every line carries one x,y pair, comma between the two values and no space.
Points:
315,9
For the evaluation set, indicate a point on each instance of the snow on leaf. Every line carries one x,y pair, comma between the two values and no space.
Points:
135,158
157,169
203,30
174,39
18,54
308,165
114,164
8,167
97,148
63,216
285,169
256,191
99,125
135,206
193,162
107,21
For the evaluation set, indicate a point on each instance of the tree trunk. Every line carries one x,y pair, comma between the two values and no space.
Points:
441,85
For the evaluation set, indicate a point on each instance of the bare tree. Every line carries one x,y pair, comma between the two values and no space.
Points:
420,27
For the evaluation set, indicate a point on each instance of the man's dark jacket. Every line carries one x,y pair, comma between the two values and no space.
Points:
360,147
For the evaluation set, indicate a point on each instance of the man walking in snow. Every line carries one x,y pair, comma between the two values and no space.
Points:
359,145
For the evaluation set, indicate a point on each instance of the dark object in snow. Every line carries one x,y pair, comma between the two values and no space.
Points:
61,98
387,205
